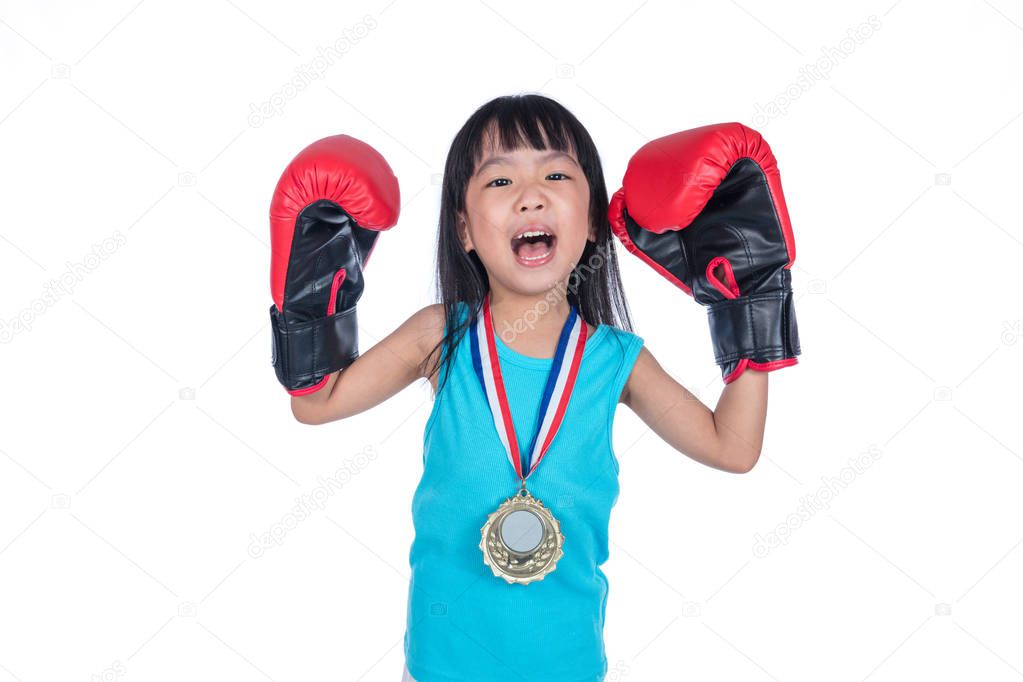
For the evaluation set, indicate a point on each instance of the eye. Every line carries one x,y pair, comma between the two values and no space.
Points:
491,183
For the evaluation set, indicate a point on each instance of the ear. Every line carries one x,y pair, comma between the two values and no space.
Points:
463,233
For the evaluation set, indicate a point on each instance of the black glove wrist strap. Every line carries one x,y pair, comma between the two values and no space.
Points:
306,352
761,328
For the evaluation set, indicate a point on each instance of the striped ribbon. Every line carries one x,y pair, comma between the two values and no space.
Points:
556,393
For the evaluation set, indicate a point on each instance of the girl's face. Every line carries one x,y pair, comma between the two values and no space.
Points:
523,191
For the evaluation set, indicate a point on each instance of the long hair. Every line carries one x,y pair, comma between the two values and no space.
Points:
519,121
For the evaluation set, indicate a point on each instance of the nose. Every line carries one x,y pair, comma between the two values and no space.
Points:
532,199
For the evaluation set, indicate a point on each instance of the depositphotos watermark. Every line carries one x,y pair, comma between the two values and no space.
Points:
1012,331
115,671
811,74
313,501
809,505
55,289
307,74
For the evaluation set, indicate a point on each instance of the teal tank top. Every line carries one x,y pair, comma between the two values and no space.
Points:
464,624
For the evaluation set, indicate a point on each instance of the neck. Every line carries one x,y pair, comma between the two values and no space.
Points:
528,315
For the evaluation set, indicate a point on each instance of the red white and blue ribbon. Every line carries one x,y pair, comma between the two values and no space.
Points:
554,402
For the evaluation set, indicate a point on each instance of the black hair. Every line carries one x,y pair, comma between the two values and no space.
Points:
518,121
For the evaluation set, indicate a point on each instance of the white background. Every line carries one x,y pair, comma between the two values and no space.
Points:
145,438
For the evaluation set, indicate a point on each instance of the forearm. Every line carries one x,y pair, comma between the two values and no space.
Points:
739,418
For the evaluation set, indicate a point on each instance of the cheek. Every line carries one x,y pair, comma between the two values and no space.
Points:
482,202
580,196
481,214
578,206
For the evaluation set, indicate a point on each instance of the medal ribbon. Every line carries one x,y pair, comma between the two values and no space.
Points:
556,393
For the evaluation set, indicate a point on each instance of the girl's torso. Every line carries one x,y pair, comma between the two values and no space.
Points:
463,622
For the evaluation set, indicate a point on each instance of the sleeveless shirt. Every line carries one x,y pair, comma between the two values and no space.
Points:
464,624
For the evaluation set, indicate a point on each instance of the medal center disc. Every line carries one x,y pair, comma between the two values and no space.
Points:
522,531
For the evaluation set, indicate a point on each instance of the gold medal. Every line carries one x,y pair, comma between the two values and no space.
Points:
521,540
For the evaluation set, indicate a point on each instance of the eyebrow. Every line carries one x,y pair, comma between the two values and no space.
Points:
504,159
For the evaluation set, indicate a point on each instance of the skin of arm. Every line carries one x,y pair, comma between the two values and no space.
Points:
376,375
729,438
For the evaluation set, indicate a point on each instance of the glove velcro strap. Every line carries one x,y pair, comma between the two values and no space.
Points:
305,353
759,328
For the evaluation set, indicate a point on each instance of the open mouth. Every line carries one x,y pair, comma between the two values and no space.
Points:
533,247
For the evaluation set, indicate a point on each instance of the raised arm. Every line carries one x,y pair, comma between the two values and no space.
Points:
705,209
381,372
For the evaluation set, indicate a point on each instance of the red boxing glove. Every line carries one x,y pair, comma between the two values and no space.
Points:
330,205
711,197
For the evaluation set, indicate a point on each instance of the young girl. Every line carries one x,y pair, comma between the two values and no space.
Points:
528,354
